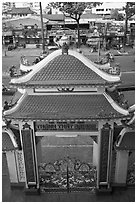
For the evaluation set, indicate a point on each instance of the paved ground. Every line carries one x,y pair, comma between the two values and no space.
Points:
8,195
13,57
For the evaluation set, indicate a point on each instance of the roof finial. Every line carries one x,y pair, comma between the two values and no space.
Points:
65,48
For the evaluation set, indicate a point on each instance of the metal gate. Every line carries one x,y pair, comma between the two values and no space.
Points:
131,169
68,174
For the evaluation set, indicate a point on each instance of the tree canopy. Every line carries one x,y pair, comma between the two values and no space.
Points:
129,12
116,15
129,9
73,10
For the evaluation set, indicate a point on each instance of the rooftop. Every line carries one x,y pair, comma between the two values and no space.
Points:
66,106
22,10
25,20
60,17
64,69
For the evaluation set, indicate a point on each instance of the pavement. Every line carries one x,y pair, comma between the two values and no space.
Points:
8,195
18,195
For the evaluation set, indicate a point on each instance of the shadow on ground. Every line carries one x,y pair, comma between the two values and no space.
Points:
8,195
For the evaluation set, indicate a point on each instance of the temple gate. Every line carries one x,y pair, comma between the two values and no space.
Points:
68,96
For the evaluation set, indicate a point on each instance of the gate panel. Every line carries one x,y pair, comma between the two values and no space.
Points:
131,169
67,174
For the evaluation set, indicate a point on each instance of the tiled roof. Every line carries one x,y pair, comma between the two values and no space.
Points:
65,69
128,141
64,107
7,144
60,17
54,17
22,10
25,20
90,16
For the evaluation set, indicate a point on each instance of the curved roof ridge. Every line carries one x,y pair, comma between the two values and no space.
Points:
11,136
126,139
115,105
37,67
88,63
14,108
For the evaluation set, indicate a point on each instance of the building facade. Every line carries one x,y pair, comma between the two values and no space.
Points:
107,7
22,29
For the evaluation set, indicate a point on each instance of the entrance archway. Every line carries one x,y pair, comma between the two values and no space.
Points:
66,163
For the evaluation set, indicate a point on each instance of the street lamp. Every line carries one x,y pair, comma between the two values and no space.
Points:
42,29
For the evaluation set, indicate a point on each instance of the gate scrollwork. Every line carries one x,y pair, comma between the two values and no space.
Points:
67,173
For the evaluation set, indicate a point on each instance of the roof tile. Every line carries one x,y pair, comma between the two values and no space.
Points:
21,10
6,142
64,107
65,69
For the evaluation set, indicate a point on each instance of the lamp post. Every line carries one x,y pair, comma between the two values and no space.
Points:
42,29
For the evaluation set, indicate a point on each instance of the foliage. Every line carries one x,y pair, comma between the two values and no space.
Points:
116,15
129,9
73,10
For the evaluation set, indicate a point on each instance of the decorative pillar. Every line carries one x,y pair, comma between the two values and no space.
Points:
30,158
121,167
20,166
11,148
95,153
105,155
16,168
12,167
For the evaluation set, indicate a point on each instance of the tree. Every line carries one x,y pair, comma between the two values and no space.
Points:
129,12
116,15
73,10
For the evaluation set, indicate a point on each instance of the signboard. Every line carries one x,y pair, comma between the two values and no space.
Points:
91,126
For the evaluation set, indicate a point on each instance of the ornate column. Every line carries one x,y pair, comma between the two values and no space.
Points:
10,147
11,162
30,158
105,156
95,151
121,167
